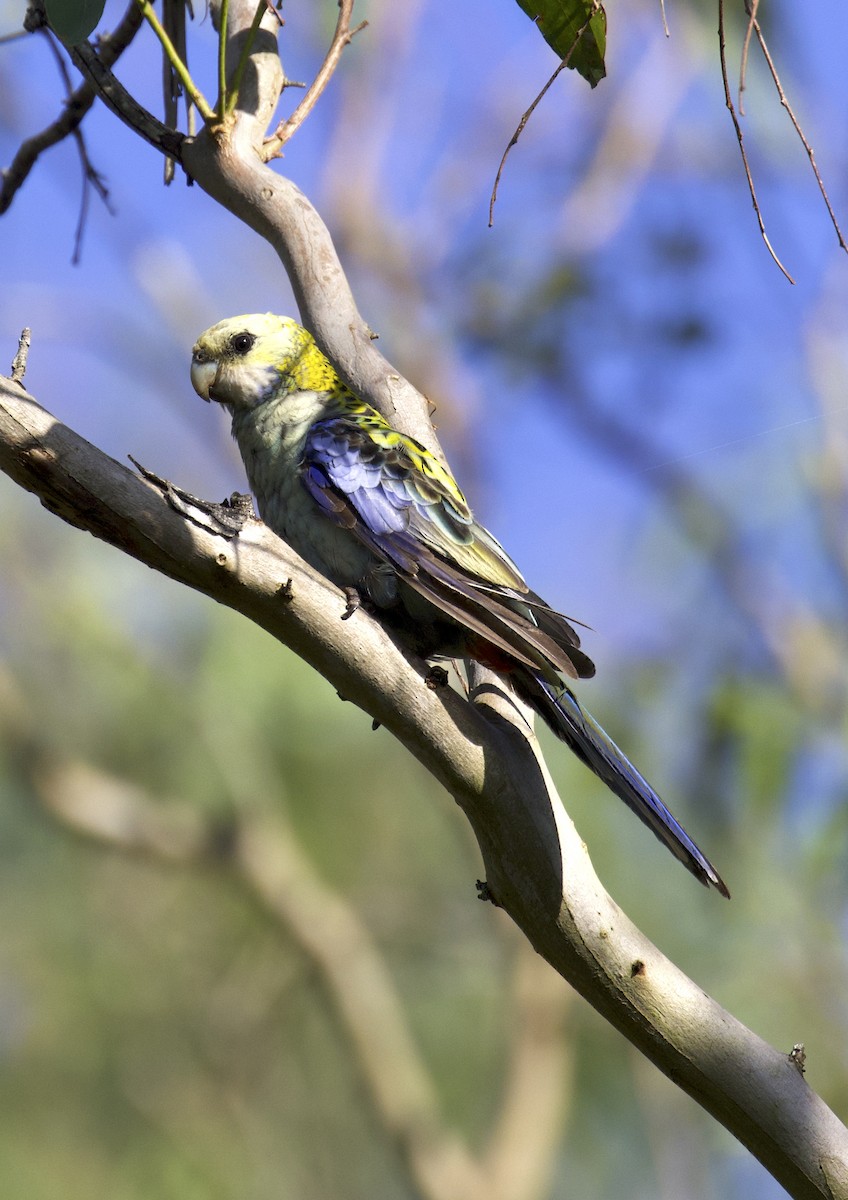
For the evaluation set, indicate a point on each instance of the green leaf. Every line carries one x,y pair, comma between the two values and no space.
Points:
74,20
560,23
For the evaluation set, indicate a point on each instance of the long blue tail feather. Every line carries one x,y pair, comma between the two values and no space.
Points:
582,733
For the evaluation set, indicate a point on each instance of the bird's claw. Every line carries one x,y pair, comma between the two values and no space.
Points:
484,893
354,601
436,677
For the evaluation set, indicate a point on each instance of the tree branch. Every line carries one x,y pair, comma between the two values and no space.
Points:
341,38
76,106
116,98
537,868
228,164
728,100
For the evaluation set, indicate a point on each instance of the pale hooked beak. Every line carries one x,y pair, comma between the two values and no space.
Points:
203,377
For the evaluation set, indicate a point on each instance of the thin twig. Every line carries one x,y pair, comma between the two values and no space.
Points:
116,97
174,24
19,362
751,7
223,13
796,124
91,178
191,89
77,105
341,38
730,107
529,113
664,21
238,74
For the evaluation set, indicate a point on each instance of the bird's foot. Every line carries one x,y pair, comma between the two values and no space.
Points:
436,677
354,601
484,893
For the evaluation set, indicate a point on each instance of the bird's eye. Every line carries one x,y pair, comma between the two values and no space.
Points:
243,343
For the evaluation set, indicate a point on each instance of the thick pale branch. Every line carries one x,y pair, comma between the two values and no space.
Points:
228,164
231,170
536,865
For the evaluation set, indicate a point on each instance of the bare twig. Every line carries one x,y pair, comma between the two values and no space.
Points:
529,113
19,362
78,104
180,69
227,100
731,109
91,179
116,97
795,123
751,7
174,24
341,38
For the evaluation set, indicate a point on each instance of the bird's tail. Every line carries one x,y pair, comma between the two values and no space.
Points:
560,710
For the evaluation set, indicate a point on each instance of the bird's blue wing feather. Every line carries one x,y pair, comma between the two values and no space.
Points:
334,458
395,485
406,508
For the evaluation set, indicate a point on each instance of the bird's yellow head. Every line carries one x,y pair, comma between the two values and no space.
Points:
242,361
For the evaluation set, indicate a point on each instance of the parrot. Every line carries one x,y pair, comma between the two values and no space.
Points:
380,516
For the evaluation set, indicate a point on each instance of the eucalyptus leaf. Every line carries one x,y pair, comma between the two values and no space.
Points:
560,22
74,20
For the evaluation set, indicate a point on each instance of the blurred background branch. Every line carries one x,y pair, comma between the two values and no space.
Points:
261,851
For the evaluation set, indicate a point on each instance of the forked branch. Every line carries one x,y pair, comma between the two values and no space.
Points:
728,100
342,37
